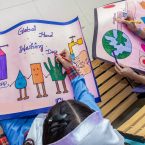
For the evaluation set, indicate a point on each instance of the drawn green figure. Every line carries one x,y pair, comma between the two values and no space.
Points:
21,83
56,75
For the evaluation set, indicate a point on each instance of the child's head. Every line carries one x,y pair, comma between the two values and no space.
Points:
62,119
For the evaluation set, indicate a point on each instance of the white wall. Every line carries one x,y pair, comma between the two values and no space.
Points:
14,11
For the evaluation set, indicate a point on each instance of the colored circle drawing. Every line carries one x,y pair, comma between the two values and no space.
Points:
117,41
142,61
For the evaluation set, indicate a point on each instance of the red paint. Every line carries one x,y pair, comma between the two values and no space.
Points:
143,61
109,6
143,47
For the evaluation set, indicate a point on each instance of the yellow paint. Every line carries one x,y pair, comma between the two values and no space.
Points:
72,44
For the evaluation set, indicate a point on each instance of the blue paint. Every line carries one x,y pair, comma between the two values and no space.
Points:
143,19
39,21
20,82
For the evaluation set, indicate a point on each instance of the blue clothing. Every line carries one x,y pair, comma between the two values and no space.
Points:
15,129
82,94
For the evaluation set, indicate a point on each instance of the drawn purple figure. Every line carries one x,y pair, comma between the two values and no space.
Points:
3,64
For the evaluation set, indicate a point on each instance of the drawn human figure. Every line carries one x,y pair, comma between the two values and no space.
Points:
56,75
37,77
82,63
20,84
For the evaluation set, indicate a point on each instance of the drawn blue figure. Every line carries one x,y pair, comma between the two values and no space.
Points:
21,83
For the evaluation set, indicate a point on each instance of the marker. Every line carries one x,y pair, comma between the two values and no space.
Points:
63,58
130,21
115,57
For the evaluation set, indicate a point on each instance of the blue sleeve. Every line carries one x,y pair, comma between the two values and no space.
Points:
82,94
16,129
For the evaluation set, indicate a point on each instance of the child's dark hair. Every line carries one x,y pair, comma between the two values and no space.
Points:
62,119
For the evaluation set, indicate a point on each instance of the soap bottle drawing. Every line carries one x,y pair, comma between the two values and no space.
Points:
3,64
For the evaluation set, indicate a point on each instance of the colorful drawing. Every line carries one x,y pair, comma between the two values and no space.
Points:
143,47
82,63
143,19
35,74
142,4
56,74
3,65
37,77
21,83
112,36
142,61
72,44
117,41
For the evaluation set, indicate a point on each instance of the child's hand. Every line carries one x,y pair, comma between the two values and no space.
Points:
130,25
64,59
124,71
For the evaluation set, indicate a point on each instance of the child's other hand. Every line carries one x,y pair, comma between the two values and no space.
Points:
130,25
124,71
63,57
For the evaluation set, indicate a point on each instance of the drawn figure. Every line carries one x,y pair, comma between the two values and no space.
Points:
56,74
3,64
72,44
37,77
21,83
82,63
143,4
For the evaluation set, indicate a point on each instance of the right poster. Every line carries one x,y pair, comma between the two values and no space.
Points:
112,37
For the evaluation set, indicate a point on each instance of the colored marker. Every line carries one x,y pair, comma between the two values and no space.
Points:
63,58
130,21
115,57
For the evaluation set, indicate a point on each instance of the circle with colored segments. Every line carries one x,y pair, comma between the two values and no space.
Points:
117,41
142,61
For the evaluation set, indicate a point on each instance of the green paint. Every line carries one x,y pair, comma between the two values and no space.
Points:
121,39
55,71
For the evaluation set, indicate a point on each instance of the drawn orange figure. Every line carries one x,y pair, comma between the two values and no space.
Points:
82,63
37,77
143,4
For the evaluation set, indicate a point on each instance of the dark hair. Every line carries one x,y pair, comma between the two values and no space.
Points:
62,119
29,141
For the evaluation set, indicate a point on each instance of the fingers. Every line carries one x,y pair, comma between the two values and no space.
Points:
64,52
59,59
122,65
118,67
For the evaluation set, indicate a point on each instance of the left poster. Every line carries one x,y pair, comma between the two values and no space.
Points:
31,81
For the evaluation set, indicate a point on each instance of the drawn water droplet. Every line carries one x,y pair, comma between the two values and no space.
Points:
21,81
